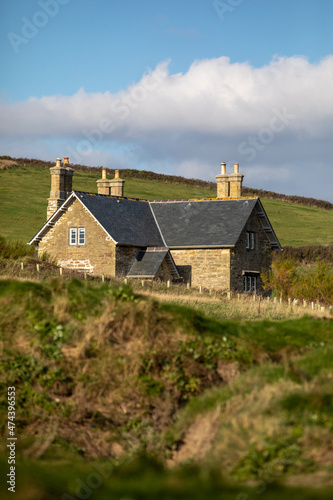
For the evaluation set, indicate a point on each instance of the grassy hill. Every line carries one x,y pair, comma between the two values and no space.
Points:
176,404
24,191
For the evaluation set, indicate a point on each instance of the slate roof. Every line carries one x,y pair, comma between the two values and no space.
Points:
129,222
173,224
146,263
202,223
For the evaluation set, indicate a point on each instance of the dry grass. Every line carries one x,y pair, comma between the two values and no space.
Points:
244,307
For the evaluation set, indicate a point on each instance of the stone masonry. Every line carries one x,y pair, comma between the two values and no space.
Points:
210,267
257,260
97,255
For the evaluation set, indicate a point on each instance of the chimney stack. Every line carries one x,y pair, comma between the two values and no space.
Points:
68,177
229,186
236,182
117,185
222,183
103,184
61,185
110,187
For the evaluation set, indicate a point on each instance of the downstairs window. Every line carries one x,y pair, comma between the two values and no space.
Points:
250,282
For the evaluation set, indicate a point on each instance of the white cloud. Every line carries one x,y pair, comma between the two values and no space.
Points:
270,119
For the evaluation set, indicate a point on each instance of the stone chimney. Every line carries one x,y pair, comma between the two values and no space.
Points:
236,181
110,187
222,183
61,185
117,185
68,177
103,184
229,186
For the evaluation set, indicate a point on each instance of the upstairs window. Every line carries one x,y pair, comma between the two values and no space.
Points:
250,240
73,236
82,235
77,236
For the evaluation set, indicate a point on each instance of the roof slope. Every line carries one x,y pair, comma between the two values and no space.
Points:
202,223
173,224
146,263
127,221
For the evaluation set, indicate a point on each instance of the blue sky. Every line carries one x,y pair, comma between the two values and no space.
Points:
174,87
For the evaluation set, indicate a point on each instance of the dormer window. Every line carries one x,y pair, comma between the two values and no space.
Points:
77,236
250,241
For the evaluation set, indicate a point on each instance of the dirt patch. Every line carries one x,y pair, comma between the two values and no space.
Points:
199,439
227,371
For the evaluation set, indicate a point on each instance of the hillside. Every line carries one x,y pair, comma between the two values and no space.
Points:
24,191
177,404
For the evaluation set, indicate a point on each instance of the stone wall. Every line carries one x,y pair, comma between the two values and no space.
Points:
97,256
210,267
257,260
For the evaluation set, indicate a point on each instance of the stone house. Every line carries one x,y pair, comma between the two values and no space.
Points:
225,243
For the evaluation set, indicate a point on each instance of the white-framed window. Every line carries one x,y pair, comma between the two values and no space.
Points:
72,236
250,282
77,236
82,235
250,240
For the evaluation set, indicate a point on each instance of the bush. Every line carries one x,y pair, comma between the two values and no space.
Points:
14,249
288,280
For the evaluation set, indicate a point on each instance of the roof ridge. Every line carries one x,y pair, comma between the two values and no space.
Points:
181,200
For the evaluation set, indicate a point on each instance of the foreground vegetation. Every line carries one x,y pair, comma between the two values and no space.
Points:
24,191
104,375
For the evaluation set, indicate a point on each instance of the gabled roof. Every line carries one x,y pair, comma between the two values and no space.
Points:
203,223
172,224
127,222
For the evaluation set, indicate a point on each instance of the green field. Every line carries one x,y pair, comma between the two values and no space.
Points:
24,192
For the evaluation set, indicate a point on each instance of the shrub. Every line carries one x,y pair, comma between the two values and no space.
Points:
14,249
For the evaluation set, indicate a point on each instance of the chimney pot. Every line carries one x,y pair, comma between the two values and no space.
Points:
116,174
58,164
103,173
66,160
223,168
236,168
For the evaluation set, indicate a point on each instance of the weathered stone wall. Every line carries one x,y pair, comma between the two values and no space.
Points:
210,267
97,256
257,260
